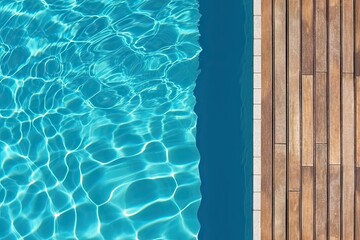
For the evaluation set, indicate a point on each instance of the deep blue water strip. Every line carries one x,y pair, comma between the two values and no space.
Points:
224,95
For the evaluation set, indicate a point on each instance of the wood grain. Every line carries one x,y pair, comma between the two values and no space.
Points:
347,30
266,123
310,119
334,201
307,37
307,121
321,108
334,81
357,103
280,192
348,157
357,204
280,70
321,192
357,38
321,36
294,95
307,200
294,213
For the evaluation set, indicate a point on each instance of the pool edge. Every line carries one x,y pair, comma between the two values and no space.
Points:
257,122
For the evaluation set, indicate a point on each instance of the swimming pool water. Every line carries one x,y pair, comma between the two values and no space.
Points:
224,94
97,128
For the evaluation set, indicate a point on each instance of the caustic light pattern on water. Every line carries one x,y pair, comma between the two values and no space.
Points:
97,128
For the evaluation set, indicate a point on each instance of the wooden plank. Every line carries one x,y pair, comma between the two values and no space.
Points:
334,201
335,189
280,70
266,123
307,200
348,156
294,213
294,95
357,206
357,38
347,36
320,108
357,95
321,192
334,81
280,192
321,36
307,37
307,121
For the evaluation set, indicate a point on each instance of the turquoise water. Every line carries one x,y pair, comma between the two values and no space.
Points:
97,128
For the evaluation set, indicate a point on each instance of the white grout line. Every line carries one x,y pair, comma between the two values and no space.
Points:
257,227
257,64
257,165
257,96
257,122
257,47
257,80
257,150
257,201
257,7
257,183
257,112
257,27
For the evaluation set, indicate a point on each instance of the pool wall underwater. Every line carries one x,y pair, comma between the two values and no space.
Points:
224,94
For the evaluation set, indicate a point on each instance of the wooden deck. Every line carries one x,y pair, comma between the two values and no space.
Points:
310,166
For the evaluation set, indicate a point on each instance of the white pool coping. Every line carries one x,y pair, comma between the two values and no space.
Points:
257,122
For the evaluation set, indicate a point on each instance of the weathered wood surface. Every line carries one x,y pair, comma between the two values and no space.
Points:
310,119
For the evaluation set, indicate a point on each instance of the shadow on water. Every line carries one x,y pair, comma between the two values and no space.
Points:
224,129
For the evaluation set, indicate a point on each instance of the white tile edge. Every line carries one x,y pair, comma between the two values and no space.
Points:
256,121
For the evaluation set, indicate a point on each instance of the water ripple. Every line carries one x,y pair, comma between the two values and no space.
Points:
97,128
